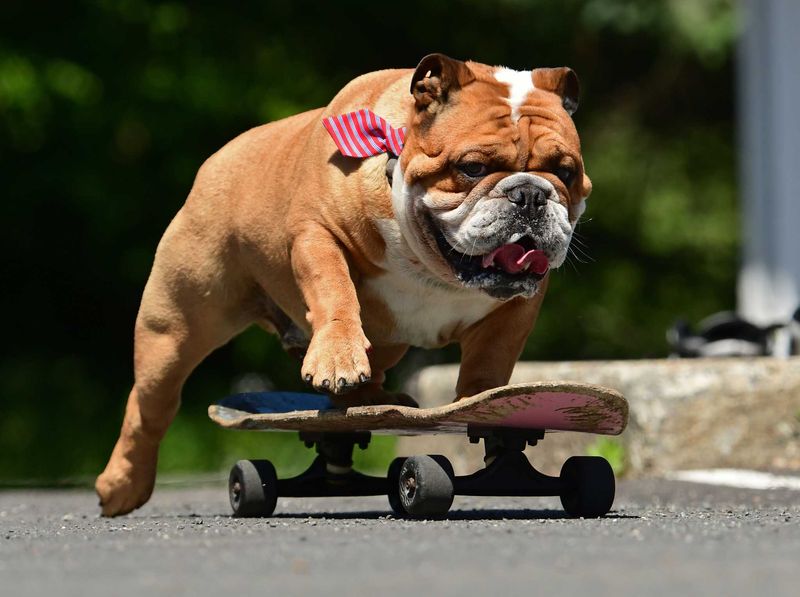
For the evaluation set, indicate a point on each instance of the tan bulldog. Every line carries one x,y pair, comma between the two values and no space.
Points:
282,231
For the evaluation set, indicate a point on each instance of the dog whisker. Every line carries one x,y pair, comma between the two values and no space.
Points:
579,255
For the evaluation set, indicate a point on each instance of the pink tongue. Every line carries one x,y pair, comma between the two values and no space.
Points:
512,259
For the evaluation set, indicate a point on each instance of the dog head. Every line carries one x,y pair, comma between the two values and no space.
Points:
490,183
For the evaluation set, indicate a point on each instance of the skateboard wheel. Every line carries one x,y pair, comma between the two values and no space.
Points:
425,487
253,488
393,479
589,486
445,464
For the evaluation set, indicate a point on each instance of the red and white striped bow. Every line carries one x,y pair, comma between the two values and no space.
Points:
363,133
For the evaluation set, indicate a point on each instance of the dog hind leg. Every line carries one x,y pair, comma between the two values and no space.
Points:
185,314
163,361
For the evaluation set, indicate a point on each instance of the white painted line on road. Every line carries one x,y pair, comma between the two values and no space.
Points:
732,477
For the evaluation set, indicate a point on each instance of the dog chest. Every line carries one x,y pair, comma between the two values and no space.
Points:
425,315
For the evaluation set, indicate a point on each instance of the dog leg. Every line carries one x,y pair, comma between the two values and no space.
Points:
186,313
336,360
490,348
164,358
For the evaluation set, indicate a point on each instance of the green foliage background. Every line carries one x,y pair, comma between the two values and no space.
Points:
108,107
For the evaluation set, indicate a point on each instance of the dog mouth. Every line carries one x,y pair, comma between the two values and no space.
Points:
519,257
510,269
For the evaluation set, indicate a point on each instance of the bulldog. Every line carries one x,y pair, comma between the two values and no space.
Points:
351,263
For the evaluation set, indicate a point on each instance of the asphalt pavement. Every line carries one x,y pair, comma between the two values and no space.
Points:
662,538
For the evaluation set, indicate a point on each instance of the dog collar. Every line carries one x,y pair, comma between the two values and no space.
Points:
363,133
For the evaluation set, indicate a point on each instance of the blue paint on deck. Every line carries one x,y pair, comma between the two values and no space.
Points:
276,402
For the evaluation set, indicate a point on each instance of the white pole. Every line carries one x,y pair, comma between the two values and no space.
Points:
769,130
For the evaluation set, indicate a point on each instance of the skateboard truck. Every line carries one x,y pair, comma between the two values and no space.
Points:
254,487
424,486
331,474
508,471
336,448
500,438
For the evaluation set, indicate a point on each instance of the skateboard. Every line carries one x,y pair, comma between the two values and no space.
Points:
506,419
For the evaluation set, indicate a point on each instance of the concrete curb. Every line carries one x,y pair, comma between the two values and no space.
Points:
684,414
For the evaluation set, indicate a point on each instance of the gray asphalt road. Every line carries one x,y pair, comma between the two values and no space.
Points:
664,538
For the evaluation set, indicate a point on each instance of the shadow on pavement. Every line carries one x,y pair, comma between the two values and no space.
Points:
474,514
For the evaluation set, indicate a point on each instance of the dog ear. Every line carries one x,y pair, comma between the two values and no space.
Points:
435,78
563,82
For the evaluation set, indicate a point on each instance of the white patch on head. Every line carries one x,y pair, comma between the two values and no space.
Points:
520,85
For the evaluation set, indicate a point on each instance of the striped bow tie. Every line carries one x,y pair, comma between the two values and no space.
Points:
363,133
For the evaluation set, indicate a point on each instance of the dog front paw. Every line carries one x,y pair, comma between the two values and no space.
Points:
337,360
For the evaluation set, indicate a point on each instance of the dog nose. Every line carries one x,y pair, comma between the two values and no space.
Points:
527,196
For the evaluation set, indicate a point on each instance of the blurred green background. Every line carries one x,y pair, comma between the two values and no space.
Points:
108,107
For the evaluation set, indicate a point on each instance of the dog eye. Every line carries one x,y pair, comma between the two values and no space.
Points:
473,169
565,175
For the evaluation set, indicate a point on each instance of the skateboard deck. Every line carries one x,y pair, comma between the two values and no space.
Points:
546,406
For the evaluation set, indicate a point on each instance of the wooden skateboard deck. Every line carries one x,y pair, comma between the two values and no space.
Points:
550,406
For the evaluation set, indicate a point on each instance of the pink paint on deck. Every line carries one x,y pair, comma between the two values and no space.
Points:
555,411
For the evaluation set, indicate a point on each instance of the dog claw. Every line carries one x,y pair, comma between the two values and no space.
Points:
326,383
308,378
